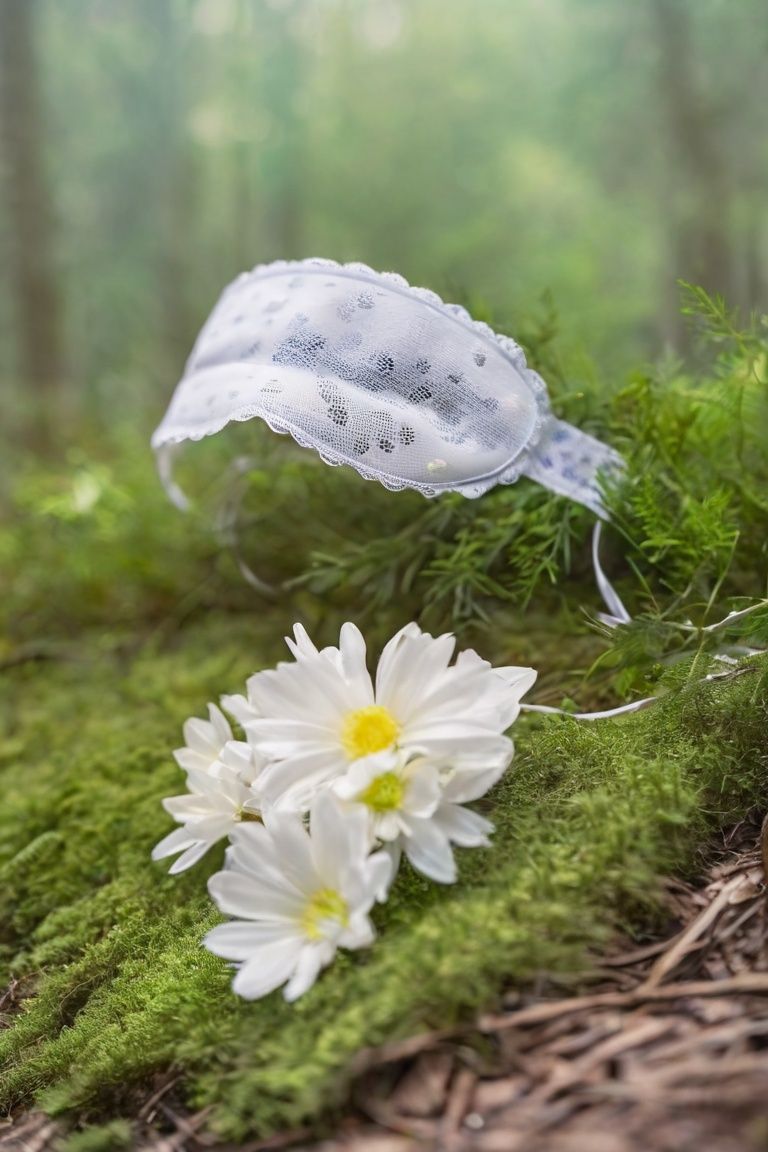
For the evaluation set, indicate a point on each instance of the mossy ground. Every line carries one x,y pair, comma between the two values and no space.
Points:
108,946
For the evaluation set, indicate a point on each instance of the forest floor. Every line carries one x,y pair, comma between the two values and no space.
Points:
591,981
666,1052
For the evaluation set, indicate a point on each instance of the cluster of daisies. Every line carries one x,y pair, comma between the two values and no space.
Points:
339,775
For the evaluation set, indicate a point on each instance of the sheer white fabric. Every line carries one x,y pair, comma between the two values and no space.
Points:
387,378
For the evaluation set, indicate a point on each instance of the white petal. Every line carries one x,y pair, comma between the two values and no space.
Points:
446,741
189,858
271,966
186,807
469,659
197,734
253,851
520,680
339,838
211,828
189,760
207,783
242,938
470,684
352,648
457,727
302,645
386,826
220,724
239,707
407,673
314,691
295,851
395,852
174,842
292,783
255,897
429,851
306,972
349,787
462,826
238,756
471,784
422,788
424,667
201,736
381,869
472,688
505,687
387,669
278,739
359,933
491,755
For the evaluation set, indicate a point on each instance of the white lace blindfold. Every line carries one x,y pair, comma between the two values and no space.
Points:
386,378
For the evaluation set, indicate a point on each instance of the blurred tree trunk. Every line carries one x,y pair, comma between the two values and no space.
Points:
700,240
175,183
754,294
284,155
32,273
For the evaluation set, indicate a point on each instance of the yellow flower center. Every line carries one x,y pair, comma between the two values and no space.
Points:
326,904
368,730
384,794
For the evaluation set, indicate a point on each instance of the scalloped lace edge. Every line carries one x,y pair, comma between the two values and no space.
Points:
476,486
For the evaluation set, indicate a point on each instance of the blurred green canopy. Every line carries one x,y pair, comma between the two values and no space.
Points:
495,151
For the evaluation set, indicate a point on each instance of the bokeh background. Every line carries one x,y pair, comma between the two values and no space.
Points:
571,158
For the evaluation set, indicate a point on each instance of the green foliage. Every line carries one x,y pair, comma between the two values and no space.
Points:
91,539
692,509
690,513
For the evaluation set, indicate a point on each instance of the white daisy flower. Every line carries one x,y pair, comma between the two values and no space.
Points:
296,897
428,846
415,806
218,798
204,741
322,713
392,789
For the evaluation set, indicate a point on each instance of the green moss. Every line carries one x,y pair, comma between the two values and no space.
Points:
109,945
